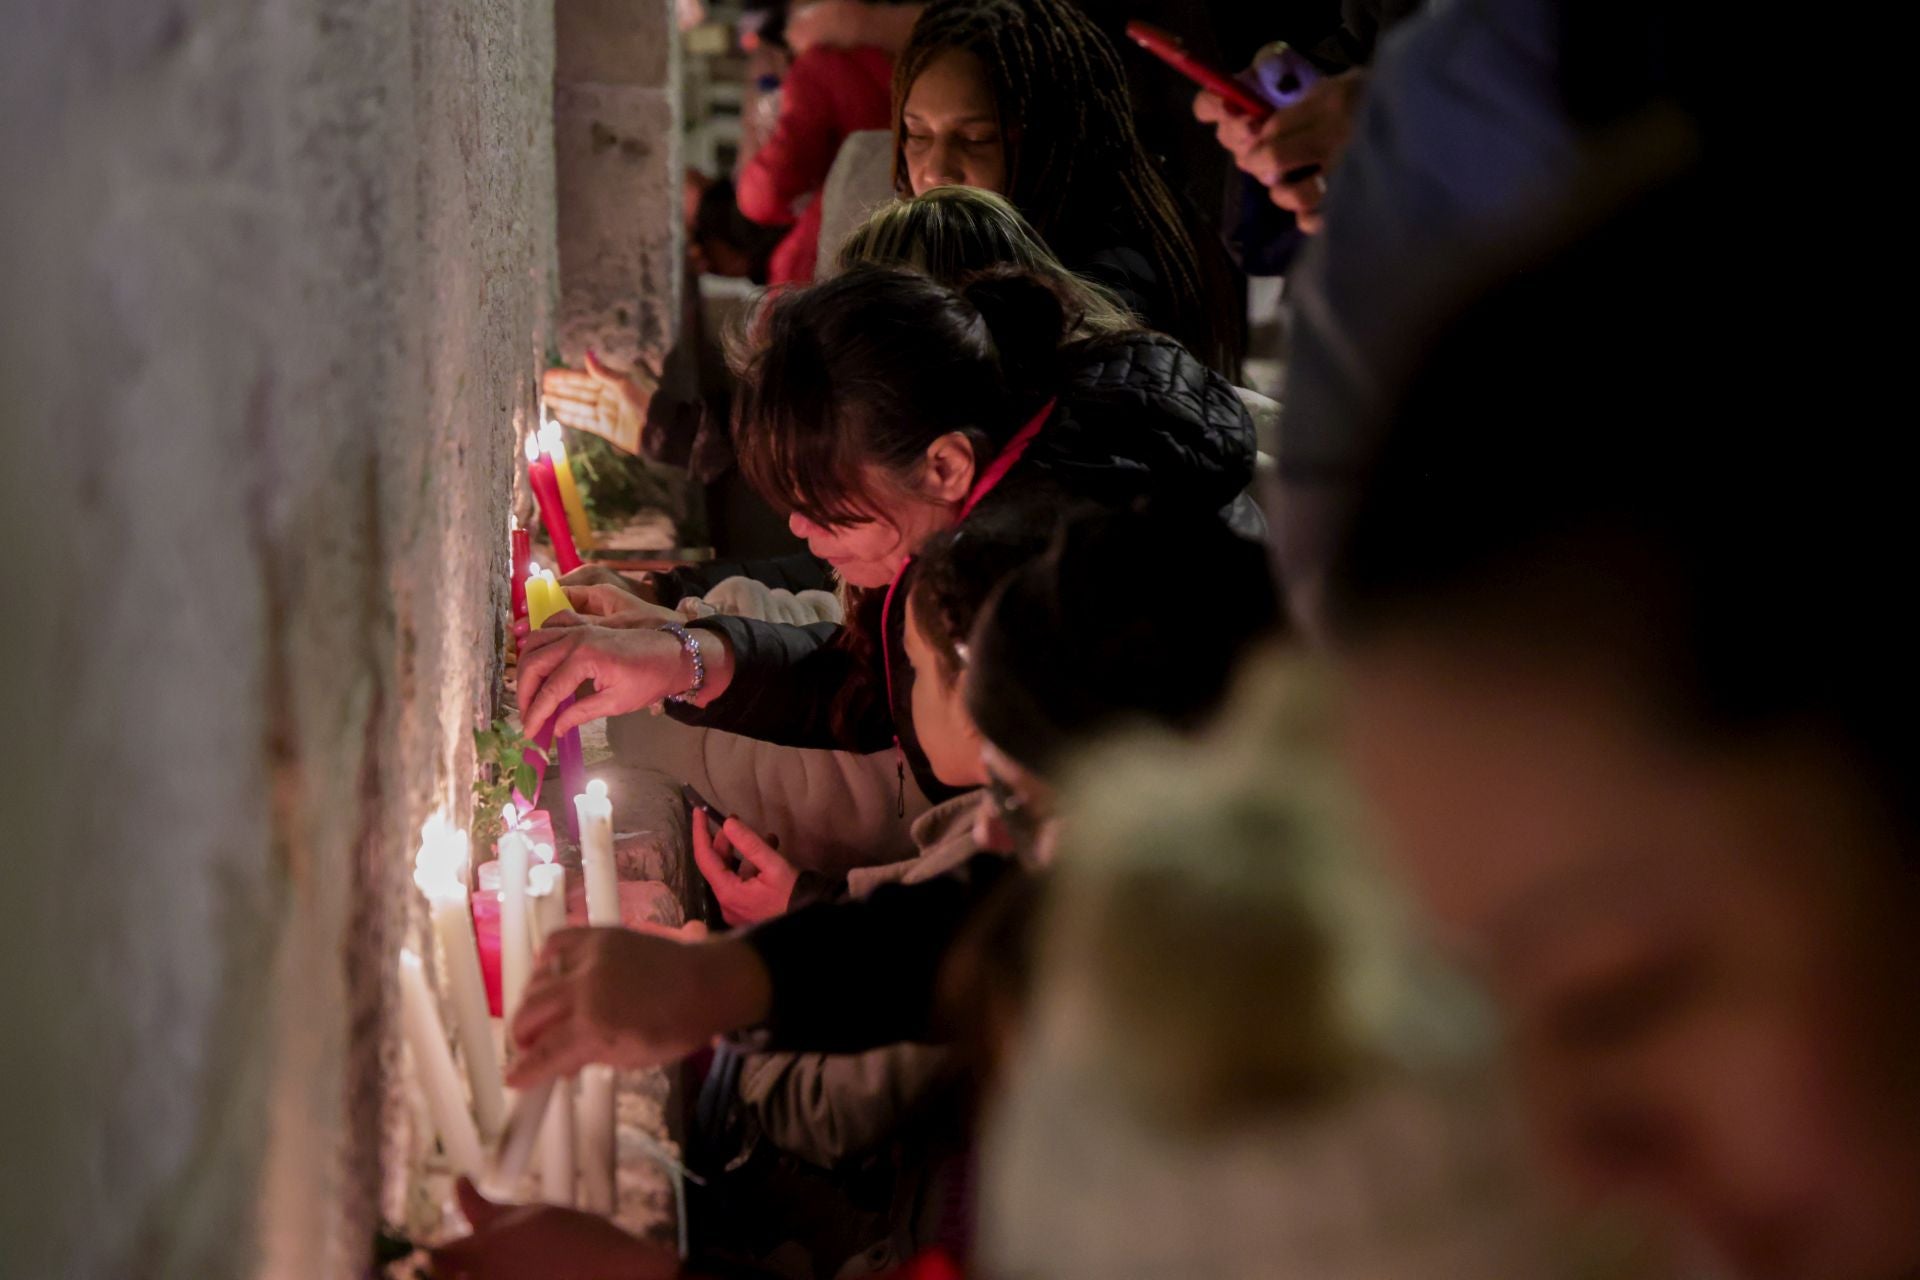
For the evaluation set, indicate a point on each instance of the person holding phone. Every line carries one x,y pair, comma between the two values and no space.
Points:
1027,98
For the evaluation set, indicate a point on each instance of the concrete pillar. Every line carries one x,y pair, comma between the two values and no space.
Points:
277,281
617,150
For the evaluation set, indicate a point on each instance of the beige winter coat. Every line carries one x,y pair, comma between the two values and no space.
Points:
826,1107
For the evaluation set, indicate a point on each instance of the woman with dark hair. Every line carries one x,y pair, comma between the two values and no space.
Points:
880,408
837,977
1027,98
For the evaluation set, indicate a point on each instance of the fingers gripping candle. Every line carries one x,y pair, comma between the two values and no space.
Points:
439,869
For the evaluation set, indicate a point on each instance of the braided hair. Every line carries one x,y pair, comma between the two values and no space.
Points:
1074,161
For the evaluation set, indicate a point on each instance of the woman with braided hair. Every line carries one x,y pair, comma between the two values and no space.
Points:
1027,98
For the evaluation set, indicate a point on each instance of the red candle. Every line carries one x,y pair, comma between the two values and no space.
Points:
522,563
553,512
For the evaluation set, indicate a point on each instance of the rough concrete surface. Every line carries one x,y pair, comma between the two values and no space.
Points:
618,159
274,281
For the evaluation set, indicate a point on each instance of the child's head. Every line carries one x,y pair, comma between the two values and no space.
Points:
1129,616
945,589
954,233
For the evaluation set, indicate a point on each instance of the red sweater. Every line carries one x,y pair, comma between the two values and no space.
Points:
828,94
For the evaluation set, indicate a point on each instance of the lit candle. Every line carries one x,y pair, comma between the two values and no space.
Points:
433,1064
440,869
595,811
545,597
547,889
555,445
553,511
522,545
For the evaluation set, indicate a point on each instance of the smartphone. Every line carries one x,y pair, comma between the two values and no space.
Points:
715,818
1167,47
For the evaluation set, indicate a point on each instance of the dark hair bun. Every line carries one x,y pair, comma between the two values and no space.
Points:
1028,320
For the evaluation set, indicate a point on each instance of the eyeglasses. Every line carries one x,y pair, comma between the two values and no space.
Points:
1021,819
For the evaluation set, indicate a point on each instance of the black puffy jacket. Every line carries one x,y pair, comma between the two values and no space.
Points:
1138,417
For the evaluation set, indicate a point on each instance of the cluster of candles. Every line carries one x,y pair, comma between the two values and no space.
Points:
487,941
557,494
575,1139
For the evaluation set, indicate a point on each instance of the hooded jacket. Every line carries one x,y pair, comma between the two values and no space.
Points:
1138,418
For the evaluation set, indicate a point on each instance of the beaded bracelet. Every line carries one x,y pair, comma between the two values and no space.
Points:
691,643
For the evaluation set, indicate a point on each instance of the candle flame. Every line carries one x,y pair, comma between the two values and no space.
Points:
440,865
550,439
510,814
597,789
543,853
533,447
544,878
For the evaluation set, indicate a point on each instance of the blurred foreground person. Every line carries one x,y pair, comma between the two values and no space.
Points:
1633,687
1237,1062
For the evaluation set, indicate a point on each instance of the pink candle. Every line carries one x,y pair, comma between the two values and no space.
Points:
553,511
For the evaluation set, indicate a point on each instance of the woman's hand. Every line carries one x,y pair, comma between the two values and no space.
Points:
630,668
602,401
598,575
513,1241
631,999
1293,150
743,899
611,607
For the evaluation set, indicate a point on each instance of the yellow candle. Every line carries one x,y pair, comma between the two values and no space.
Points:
556,446
544,597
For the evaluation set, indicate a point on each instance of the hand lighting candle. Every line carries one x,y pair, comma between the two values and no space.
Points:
433,1064
553,511
555,445
440,869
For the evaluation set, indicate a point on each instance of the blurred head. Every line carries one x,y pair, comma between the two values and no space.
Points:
873,401
954,233
1074,645
1633,695
945,589
1027,98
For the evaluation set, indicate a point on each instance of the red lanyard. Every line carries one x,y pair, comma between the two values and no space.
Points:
996,471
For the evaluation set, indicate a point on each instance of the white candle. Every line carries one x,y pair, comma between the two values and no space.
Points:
597,1119
440,869
596,1143
595,811
547,890
516,927
433,1061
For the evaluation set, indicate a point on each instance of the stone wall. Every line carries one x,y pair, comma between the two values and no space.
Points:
275,282
618,155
